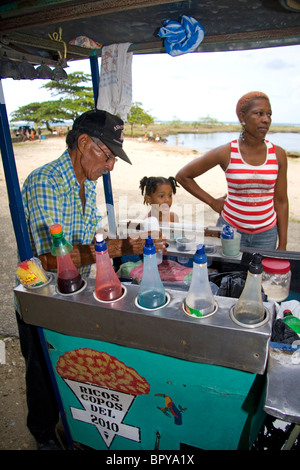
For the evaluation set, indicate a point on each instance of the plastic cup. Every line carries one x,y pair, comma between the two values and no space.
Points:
231,246
159,254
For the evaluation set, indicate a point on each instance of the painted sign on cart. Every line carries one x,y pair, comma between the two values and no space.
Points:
120,398
105,387
105,409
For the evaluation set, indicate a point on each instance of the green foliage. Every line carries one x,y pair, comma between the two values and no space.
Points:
73,87
138,116
75,100
176,123
206,121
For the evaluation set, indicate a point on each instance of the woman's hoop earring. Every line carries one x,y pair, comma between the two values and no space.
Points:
242,133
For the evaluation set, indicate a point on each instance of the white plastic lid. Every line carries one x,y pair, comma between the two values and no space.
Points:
151,223
99,237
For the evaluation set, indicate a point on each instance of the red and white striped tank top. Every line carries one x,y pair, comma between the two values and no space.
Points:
249,205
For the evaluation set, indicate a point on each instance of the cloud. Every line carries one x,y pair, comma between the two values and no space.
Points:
279,64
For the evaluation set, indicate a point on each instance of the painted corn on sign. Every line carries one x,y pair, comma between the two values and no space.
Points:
105,387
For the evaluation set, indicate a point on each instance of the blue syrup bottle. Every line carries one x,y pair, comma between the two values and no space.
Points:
151,293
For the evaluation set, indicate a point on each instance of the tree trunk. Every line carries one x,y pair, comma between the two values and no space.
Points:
48,126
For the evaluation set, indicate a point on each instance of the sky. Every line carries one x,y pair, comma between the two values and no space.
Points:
196,85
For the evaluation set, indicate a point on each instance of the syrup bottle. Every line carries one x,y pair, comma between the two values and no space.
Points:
249,309
151,293
68,278
200,300
107,286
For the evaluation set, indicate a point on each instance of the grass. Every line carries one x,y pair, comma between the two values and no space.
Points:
165,129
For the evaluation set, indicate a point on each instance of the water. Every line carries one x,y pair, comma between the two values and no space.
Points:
289,141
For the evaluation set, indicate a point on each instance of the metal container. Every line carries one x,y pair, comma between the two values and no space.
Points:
169,330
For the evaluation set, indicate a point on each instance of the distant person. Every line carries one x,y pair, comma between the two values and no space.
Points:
256,173
158,192
22,134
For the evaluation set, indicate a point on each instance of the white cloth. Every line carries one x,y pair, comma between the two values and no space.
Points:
115,87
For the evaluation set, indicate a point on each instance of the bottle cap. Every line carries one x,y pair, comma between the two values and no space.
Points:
227,232
200,256
55,229
149,248
276,266
60,246
255,266
100,244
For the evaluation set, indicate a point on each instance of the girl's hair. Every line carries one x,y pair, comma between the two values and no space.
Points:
149,184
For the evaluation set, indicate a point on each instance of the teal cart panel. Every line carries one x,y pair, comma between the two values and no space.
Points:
120,398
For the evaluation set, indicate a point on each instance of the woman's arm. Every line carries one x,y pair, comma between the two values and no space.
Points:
186,176
281,203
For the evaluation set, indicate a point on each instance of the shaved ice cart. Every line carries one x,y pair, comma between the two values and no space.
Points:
132,379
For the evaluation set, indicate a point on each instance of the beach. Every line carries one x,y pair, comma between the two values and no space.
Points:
148,159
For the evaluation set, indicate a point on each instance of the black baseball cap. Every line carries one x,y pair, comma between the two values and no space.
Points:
104,126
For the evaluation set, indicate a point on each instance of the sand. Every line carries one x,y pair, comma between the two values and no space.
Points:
148,159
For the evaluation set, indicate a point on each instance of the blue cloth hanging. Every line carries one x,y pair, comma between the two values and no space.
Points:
182,37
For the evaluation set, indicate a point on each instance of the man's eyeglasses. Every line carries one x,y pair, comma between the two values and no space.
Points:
108,157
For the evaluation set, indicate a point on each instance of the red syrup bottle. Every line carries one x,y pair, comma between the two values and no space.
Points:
68,278
107,286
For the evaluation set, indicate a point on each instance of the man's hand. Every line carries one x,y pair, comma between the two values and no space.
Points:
134,245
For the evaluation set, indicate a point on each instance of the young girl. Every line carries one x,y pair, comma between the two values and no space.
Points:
158,192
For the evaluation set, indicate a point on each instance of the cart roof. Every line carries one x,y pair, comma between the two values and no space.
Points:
228,25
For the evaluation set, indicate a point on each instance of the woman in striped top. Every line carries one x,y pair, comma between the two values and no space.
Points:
256,172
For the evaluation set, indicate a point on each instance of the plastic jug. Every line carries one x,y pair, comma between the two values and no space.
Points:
108,286
151,293
200,301
68,278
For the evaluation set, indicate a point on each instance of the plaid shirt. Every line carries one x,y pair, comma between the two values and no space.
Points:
50,196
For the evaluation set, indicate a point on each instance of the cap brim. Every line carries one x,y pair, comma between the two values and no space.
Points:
117,151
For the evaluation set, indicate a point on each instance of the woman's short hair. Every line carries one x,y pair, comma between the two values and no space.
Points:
245,101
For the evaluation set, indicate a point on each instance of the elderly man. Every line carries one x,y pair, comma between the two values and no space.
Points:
63,191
